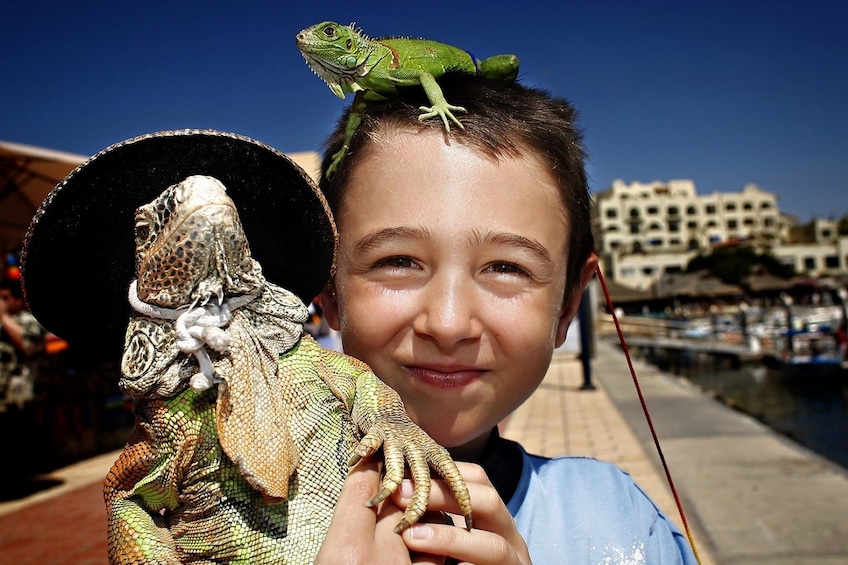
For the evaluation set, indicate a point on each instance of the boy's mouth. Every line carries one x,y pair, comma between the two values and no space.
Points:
445,376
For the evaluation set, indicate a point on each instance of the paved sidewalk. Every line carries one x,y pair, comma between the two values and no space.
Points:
750,495
562,419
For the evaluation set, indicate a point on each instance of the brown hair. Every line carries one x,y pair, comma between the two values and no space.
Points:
503,119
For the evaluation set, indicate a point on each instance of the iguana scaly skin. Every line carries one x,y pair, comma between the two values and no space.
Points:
349,61
244,465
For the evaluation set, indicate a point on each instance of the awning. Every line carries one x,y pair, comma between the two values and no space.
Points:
27,175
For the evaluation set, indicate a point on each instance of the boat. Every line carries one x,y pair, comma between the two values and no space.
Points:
811,352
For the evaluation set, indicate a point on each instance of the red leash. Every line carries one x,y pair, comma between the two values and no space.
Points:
646,412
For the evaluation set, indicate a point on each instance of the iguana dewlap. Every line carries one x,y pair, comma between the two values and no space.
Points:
246,464
375,69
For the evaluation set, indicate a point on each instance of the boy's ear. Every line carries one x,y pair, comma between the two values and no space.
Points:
569,309
327,301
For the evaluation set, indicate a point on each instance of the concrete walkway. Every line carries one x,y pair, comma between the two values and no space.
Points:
753,495
750,495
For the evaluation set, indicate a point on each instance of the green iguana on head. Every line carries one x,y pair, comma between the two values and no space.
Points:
349,61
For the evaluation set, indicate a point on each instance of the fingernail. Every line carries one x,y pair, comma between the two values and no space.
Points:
420,531
406,489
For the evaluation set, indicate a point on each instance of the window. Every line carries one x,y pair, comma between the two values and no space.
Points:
653,210
831,262
768,222
732,224
691,210
710,209
692,225
612,213
673,226
748,222
712,224
647,271
673,211
809,263
747,206
730,206
765,205
656,242
825,233
654,227
634,212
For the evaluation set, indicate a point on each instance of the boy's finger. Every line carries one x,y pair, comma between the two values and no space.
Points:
477,546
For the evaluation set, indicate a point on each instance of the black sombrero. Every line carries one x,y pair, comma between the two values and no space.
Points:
79,252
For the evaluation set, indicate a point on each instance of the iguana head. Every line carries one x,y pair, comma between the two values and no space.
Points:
190,246
338,54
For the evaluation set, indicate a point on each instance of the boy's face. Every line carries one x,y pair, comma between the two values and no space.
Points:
450,279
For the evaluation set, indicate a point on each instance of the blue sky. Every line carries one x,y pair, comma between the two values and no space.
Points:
721,92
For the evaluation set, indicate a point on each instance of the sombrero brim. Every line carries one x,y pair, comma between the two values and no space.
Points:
79,253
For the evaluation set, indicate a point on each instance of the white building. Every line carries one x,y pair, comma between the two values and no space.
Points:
645,230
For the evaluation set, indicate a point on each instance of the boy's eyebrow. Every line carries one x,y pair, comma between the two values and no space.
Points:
380,237
515,240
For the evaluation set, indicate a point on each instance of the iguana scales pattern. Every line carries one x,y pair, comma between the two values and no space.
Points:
244,465
375,69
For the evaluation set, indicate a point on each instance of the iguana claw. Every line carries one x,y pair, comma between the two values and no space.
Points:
444,112
404,443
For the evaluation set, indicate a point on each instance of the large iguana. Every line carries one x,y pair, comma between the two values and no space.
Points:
349,61
245,425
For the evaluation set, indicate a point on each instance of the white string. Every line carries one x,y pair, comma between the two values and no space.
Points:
197,327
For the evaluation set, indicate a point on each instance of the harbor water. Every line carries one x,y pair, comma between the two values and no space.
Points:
809,408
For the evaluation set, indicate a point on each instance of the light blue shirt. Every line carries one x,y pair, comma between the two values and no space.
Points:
580,510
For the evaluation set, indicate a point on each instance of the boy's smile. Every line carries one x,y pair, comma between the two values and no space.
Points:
450,278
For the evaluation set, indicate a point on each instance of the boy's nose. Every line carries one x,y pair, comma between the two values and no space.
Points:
448,313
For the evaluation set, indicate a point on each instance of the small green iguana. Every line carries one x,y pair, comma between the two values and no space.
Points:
246,427
349,61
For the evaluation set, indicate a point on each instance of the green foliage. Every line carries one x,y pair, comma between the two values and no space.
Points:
732,264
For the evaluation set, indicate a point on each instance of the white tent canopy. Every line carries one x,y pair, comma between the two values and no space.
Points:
27,175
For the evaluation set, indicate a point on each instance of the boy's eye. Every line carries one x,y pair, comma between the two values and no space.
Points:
507,269
395,263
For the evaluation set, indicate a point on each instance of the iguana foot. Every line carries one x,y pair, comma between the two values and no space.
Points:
444,111
405,443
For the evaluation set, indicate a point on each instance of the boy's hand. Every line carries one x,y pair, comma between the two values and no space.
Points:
494,539
359,534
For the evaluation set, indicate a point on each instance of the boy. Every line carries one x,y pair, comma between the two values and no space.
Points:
461,261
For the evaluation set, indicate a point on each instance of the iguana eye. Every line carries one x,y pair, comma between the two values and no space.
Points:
142,231
329,31
349,43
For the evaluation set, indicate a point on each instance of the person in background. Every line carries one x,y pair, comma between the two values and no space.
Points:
21,339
